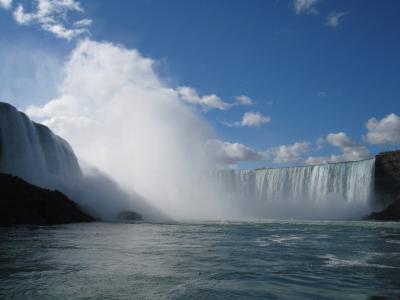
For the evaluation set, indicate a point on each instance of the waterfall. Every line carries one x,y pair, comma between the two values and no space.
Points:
338,190
32,152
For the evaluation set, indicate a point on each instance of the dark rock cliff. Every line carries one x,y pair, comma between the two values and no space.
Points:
387,186
24,203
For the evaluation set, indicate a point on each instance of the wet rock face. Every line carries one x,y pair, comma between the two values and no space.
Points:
387,177
24,203
129,216
390,213
387,186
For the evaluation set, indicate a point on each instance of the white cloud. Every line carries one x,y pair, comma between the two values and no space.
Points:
339,139
207,102
212,101
231,153
50,15
319,143
334,19
384,131
254,119
249,119
291,153
244,100
305,6
83,23
316,160
351,151
6,4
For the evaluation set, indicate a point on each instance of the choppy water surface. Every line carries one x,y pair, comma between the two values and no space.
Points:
266,260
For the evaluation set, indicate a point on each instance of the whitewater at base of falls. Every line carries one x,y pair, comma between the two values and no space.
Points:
330,191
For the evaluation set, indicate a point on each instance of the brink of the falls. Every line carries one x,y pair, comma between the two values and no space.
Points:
329,191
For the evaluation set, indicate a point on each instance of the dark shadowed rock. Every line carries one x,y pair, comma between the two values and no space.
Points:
387,176
390,213
129,216
387,186
24,203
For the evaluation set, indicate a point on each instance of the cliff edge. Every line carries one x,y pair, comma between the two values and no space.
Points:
387,186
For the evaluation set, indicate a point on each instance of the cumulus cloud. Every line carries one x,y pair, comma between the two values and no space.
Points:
207,102
244,100
351,151
254,119
316,160
231,153
6,4
384,131
83,23
250,119
334,19
339,139
319,143
305,6
50,15
211,101
291,153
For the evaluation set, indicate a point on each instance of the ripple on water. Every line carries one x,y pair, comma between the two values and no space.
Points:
334,261
270,260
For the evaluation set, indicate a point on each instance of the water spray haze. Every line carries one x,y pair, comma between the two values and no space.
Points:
122,118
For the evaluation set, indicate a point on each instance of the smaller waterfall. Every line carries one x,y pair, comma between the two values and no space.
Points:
339,190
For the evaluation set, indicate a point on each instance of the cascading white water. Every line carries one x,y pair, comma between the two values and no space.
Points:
32,152
340,190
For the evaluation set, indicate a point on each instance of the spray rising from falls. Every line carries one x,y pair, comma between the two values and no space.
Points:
340,190
121,117
33,152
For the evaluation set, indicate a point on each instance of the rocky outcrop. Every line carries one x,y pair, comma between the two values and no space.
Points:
387,186
390,213
129,216
24,203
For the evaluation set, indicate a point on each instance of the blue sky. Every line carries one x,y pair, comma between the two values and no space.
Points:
313,67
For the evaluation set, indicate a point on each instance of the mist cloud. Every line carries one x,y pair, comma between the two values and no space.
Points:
119,116
6,4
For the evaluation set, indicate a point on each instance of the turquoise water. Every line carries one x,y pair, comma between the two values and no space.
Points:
243,260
